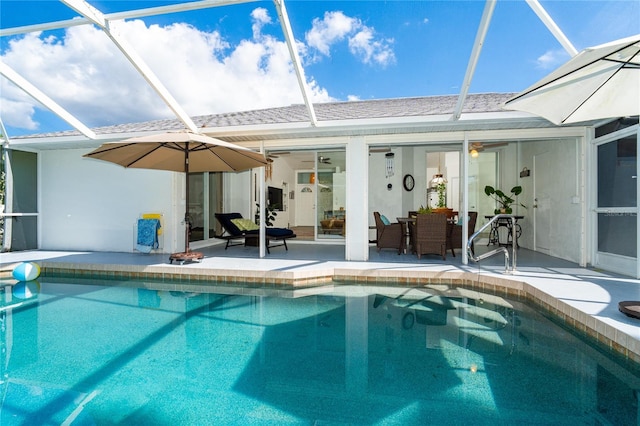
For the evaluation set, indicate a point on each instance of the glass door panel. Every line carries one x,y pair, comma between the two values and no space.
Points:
21,225
482,172
196,206
617,205
205,199
331,194
214,204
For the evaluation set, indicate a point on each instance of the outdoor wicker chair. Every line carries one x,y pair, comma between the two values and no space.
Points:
389,236
454,241
430,235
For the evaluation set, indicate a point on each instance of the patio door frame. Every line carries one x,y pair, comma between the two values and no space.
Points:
608,261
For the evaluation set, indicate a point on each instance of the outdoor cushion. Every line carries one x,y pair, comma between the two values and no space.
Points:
245,224
459,222
273,232
384,220
226,222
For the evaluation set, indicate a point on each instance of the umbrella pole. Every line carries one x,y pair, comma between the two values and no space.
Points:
186,256
187,222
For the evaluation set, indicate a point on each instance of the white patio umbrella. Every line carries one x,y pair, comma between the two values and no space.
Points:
599,82
181,151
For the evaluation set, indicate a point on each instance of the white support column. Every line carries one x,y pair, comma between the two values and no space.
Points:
465,198
357,223
263,206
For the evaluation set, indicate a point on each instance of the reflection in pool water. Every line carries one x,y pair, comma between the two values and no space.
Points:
88,354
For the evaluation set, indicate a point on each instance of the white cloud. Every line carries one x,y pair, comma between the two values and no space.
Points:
19,114
260,18
333,28
83,71
370,50
362,39
552,59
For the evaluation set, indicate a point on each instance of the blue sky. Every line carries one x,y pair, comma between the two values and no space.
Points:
234,58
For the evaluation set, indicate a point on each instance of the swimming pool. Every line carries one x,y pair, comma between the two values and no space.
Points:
153,353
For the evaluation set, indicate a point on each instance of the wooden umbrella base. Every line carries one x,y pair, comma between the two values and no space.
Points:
630,308
189,256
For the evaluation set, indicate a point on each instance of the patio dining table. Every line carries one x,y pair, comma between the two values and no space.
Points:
494,234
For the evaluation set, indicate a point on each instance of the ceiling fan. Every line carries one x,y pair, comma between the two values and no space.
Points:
321,160
276,154
476,147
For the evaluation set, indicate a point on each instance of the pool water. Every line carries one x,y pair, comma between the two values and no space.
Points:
81,354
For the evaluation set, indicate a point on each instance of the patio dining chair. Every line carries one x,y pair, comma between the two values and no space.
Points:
388,235
430,235
454,239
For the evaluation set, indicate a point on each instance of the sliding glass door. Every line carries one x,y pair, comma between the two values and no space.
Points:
205,198
20,218
331,194
616,209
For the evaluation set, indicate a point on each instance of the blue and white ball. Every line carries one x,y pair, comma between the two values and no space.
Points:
26,271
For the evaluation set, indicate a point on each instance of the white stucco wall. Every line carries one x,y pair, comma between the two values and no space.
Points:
389,202
283,177
92,205
89,204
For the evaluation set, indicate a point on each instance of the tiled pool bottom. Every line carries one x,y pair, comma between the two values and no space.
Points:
136,352
603,333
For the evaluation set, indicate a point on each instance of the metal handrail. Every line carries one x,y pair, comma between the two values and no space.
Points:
514,244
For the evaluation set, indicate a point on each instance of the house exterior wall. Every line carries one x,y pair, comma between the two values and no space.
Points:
382,199
92,205
283,177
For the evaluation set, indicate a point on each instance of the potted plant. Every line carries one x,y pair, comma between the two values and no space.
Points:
441,207
504,201
441,188
270,214
424,210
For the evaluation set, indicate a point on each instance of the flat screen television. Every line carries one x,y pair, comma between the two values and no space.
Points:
274,198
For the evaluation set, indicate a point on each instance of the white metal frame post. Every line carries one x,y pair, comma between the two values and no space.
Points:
465,198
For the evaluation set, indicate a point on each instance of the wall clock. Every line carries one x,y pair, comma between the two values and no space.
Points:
408,182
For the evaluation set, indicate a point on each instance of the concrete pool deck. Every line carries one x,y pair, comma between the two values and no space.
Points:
584,298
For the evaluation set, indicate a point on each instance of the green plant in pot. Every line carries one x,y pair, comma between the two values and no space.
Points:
424,210
441,188
504,201
270,214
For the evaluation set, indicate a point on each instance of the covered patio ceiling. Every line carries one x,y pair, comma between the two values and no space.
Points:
110,24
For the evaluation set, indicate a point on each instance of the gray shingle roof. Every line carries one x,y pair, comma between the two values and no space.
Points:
359,110
331,111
